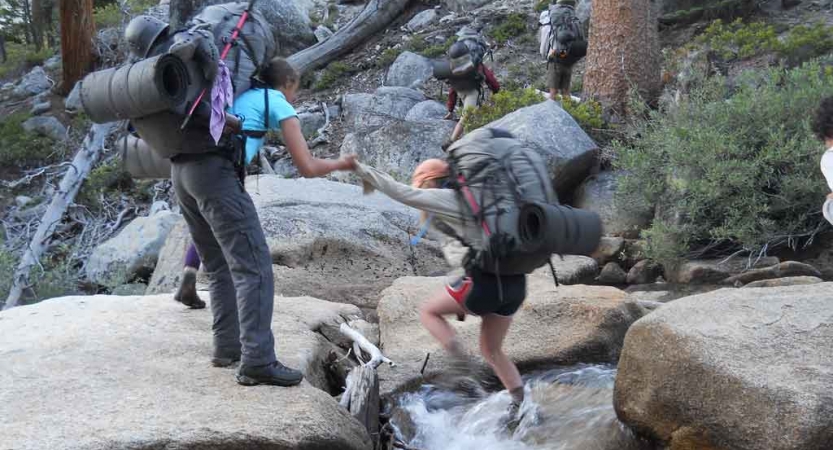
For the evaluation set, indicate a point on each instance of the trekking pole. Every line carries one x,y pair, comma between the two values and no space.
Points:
234,34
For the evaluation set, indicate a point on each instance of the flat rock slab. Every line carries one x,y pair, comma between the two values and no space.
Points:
561,325
733,369
109,372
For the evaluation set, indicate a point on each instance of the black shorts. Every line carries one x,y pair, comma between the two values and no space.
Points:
480,293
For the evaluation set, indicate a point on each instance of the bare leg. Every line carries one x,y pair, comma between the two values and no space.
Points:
553,94
458,130
431,315
492,332
566,94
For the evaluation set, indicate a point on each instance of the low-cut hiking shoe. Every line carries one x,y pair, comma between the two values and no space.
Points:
187,293
275,374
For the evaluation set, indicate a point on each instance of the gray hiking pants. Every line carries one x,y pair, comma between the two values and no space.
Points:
226,231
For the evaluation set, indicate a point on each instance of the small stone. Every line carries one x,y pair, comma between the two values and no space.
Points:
22,200
612,274
322,33
422,20
46,126
40,108
644,272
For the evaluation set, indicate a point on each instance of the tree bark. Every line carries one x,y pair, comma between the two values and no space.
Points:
183,10
77,30
377,15
83,162
2,48
27,19
38,23
624,53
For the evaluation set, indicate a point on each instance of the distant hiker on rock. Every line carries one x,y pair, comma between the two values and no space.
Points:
562,44
227,232
823,128
467,76
473,200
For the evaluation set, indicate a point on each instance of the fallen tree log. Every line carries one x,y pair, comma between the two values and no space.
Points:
80,167
361,398
375,16
376,356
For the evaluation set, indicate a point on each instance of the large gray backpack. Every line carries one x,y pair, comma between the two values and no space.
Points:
504,188
254,47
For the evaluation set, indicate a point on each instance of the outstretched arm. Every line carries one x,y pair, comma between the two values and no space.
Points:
439,201
308,165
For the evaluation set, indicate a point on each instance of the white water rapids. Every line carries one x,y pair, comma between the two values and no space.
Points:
564,409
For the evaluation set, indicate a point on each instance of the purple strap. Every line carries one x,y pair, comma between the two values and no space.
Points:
222,94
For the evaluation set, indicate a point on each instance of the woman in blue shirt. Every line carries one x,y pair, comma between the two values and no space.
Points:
227,233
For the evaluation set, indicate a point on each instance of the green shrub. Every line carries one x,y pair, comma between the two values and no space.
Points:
807,41
542,5
108,16
387,57
437,50
107,178
588,113
739,40
332,74
512,25
21,148
730,173
501,104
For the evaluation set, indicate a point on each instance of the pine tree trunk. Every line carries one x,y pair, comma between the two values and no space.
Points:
37,23
77,29
624,53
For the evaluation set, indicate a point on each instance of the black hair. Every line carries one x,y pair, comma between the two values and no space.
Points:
279,73
823,122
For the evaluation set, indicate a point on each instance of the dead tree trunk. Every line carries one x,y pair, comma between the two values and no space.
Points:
83,162
77,30
362,398
624,52
377,15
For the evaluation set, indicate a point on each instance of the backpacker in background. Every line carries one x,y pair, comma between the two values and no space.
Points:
505,187
562,36
187,64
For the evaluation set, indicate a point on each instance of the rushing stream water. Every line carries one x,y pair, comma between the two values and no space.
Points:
565,409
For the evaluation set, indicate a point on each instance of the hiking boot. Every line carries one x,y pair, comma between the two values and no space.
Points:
275,374
187,293
224,361
513,417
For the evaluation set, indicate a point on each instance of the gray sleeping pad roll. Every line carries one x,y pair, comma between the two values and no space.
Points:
140,161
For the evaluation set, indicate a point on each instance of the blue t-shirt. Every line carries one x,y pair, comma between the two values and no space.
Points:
250,107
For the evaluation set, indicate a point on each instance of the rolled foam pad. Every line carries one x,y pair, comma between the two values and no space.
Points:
559,229
135,90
